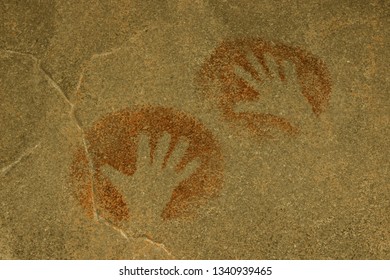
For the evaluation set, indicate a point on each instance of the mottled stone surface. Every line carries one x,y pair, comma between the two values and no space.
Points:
301,173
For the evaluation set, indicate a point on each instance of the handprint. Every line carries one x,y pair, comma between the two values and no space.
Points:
150,188
266,88
278,88
133,176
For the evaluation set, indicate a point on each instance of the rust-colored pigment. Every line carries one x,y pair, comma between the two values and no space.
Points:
113,140
312,74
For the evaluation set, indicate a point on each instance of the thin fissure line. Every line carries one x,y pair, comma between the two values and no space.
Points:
160,245
85,146
79,127
26,154
109,224
49,79
134,236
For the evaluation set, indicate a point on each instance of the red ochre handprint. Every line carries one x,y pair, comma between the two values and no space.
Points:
264,86
148,165
150,188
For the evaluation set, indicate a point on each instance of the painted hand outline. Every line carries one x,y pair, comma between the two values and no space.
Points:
150,188
278,96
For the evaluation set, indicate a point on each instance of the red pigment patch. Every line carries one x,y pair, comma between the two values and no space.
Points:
113,141
312,73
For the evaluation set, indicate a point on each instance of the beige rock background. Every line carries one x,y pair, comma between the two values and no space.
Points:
323,194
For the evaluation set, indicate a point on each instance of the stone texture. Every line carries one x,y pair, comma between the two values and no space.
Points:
321,192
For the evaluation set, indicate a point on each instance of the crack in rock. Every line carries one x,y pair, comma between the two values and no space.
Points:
81,130
72,115
159,245
120,231
71,111
24,155
137,237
